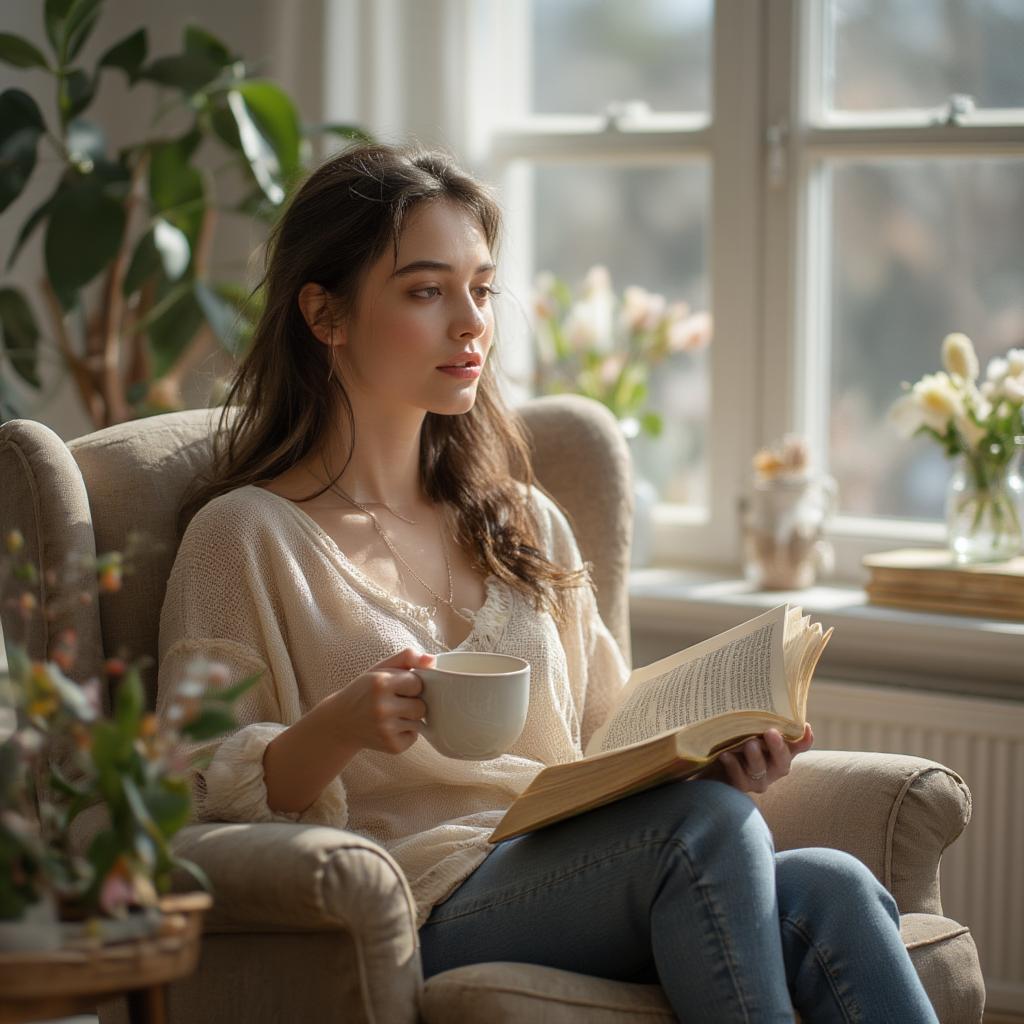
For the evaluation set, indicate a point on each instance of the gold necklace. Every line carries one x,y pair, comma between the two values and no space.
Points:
450,599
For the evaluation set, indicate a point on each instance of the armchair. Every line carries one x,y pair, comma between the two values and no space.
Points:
316,923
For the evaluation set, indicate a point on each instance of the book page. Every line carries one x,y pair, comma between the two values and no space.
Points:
741,669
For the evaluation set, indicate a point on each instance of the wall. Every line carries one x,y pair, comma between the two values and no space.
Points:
284,37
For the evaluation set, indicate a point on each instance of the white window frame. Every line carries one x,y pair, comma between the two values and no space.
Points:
796,225
422,72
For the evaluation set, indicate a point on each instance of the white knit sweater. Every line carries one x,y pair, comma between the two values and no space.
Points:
260,587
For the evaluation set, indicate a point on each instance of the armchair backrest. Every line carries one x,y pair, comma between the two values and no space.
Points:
86,496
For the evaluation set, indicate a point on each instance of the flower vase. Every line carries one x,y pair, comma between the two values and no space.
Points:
645,497
985,506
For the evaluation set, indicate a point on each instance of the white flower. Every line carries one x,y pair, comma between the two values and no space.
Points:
959,357
1013,388
581,327
597,280
635,303
1015,362
997,369
932,402
690,334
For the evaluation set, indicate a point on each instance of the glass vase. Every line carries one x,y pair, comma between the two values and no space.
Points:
985,506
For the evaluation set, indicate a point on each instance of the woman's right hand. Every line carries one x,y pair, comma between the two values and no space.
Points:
381,709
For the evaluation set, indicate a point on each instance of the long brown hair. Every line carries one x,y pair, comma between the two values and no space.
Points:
283,397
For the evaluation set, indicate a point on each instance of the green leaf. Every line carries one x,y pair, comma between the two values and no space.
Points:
220,315
229,694
75,94
21,124
54,15
9,407
188,72
268,127
346,131
20,52
81,19
194,870
169,807
652,423
200,43
175,186
127,55
20,335
62,784
210,722
175,327
83,235
144,264
86,142
173,248
129,704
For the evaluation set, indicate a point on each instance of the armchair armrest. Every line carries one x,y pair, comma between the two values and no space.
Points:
894,812
287,877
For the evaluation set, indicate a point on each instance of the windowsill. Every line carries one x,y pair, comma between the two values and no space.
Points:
672,608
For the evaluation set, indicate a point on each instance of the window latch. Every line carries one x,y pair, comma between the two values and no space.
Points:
624,110
959,106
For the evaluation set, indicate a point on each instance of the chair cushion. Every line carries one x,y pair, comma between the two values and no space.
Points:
942,951
500,992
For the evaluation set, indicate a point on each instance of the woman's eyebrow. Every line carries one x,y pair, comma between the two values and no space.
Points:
411,268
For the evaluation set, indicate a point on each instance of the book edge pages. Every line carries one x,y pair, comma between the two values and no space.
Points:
638,677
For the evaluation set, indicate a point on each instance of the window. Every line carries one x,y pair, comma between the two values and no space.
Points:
840,182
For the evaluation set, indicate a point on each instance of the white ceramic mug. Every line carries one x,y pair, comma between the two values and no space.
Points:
476,703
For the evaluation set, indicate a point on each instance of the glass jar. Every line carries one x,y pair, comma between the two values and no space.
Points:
985,506
784,520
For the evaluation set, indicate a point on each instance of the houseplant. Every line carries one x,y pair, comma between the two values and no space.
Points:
604,346
61,756
980,427
598,344
130,300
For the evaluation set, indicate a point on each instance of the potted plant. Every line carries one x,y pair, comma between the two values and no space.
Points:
128,291
980,427
605,347
61,756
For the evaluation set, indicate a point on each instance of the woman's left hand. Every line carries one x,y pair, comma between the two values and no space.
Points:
753,767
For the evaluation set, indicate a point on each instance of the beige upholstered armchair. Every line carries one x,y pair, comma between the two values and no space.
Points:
316,924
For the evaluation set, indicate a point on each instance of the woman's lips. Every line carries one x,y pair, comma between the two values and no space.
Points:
462,372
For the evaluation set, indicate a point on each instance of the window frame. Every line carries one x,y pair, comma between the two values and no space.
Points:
769,195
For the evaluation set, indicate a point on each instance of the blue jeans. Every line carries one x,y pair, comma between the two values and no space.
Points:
680,885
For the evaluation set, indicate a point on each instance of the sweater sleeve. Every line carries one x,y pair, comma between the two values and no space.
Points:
218,610
597,668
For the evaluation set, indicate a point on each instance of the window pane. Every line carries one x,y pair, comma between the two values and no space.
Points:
587,53
649,227
916,53
920,248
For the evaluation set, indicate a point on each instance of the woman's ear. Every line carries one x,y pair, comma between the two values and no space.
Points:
315,304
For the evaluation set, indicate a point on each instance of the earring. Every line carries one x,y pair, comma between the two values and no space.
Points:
330,367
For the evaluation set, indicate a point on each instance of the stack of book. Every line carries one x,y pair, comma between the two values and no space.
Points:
929,580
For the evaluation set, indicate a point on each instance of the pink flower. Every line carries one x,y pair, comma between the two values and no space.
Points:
116,892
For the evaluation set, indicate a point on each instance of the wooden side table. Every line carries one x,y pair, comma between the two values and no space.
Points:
62,983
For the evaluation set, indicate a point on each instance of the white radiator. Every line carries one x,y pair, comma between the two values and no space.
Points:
982,873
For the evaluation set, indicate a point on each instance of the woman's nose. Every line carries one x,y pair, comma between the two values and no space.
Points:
469,320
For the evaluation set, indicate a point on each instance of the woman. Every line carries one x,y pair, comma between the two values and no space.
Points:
363,514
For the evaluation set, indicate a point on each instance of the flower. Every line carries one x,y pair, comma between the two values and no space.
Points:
61,752
604,347
980,422
959,357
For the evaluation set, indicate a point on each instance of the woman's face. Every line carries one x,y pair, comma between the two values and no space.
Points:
430,309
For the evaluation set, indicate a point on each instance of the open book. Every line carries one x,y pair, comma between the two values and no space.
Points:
675,716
